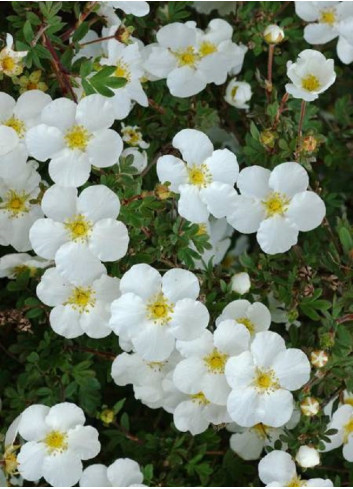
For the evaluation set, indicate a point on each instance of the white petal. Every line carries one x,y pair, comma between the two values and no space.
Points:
70,168
179,284
59,113
95,322
62,470
173,170
7,105
105,148
52,289
260,316
216,388
276,408
344,50
141,279
246,214
109,240
194,145
265,347
240,371
277,465
306,210
180,324
95,476
277,235
292,368
307,11
59,203
128,314
223,166
30,104
65,416
319,33
190,204
13,163
46,237
185,82
98,202
289,178
95,112
125,472
106,288
8,140
188,375
188,417
238,405
77,264
65,321
154,343
44,141
253,181
83,440
32,425
219,197
30,460
176,36
247,445
231,338
234,310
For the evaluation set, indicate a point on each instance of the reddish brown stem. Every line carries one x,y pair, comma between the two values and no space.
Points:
271,49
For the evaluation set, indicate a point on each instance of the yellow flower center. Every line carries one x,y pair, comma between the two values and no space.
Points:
261,430
311,83
22,268
122,71
16,203
234,91
131,136
207,48
328,17
10,460
156,366
296,482
349,401
347,430
17,125
266,380
77,137
202,230
276,203
216,361
81,299
79,227
159,309
247,323
8,63
199,175
186,57
200,399
56,441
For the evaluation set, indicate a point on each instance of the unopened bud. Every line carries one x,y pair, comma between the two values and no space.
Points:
307,457
310,406
318,358
273,34
162,192
107,416
240,283
267,138
309,144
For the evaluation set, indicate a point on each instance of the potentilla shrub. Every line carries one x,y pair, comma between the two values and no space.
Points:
175,244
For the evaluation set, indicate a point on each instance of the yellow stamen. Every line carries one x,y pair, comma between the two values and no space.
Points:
79,227
261,430
328,17
159,309
8,63
122,71
200,399
77,137
186,57
234,91
56,441
311,83
216,361
16,203
296,482
81,299
275,203
131,136
266,380
17,125
199,175
247,323
207,48
347,430
10,460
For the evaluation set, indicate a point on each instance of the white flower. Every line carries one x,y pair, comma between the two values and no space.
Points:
223,8
57,441
190,59
128,62
13,264
273,34
107,10
219,232
261,380
204,178
196,412
238,93
132,135
278,469
13,154
146,377
331,20
342,421
310,75
124,472
206,357
307,457
240,283
153,311
276,205
18,207
23,114
139,158
252,317
80,307
249,443
74,138
10,60
88,219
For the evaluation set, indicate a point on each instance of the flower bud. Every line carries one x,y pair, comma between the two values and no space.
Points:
240,283
267,138
162,192
307,457
309,144
238,93
310,406
318,358
273,34
107,416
